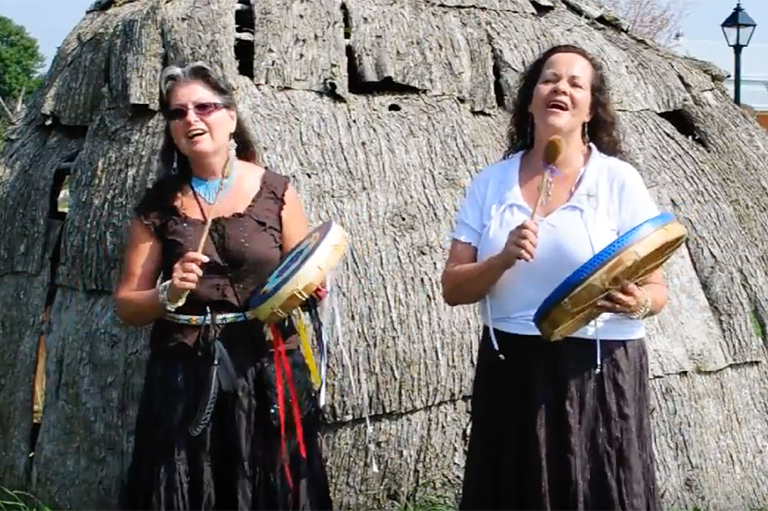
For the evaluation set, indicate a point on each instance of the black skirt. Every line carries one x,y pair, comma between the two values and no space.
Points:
550,432
236,463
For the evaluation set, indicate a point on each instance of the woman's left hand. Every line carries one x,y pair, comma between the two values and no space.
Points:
629,298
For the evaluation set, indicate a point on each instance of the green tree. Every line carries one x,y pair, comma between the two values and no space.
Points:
21,62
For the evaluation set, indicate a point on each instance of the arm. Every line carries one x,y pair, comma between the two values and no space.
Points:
656,288
631,298
295,228
136,299
466,281
636,205
639,206
295,225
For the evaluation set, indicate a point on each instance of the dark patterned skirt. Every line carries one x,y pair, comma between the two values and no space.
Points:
549,432
236,462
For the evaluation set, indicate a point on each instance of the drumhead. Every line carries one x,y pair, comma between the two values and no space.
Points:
632,256
290,265
597,261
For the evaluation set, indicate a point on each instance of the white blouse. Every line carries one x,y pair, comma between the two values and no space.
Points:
611,198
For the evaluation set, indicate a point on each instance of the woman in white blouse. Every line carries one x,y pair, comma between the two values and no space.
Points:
555,425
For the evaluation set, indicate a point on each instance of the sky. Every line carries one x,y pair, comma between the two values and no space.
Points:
49,21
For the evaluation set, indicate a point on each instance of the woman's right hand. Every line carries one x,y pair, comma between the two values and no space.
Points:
186,274
521,243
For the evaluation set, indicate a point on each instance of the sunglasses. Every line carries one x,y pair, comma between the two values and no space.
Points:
200,109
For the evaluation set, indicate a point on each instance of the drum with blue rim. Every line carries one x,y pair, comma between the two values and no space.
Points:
301,271
632,256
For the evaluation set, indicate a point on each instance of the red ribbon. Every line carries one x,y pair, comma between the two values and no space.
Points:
283,364
320,292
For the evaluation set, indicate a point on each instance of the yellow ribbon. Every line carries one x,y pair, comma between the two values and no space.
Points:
306,349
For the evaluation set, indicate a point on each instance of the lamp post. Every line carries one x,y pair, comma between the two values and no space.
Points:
738,29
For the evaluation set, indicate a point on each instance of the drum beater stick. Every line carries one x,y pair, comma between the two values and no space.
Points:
225,173
552,152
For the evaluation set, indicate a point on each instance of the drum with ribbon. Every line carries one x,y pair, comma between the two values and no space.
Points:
291,290
632,257
300,273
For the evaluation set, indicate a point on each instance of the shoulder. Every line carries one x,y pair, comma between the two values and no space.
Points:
495,175
625,189
160,195
274,182
619,173
156,205
275,194
501,170
265,180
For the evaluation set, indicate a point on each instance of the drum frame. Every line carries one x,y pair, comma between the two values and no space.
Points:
296,290
577,308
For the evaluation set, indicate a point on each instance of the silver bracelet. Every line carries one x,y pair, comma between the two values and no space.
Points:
645,308
162,293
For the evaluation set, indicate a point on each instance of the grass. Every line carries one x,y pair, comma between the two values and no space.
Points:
428,503
14,500
423,500
426,498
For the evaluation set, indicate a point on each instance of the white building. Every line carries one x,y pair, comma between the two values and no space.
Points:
754,67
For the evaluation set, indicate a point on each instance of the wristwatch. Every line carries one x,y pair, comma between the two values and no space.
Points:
162,292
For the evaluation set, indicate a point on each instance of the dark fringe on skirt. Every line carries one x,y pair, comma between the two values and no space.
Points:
548,432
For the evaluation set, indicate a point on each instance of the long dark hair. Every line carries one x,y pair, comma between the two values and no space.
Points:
173,76
601,128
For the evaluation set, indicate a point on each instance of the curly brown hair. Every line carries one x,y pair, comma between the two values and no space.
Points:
601,128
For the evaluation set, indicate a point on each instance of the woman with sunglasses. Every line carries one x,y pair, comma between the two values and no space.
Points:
210,431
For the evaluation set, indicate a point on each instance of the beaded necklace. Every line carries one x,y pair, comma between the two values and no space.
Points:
207,188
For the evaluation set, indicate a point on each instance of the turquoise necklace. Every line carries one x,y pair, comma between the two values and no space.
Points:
207,188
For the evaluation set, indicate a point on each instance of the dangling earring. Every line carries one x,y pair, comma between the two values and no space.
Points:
232,146
585,134
232,157
175,167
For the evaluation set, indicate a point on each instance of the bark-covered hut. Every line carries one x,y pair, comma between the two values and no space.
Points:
380,110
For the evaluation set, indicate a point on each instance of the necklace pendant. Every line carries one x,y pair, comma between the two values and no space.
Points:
206,190
209,190
548,191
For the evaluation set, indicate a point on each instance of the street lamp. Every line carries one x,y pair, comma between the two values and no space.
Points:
738,29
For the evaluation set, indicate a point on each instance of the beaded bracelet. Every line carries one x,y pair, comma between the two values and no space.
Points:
645,309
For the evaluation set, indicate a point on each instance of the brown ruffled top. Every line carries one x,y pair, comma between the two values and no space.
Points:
244,249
